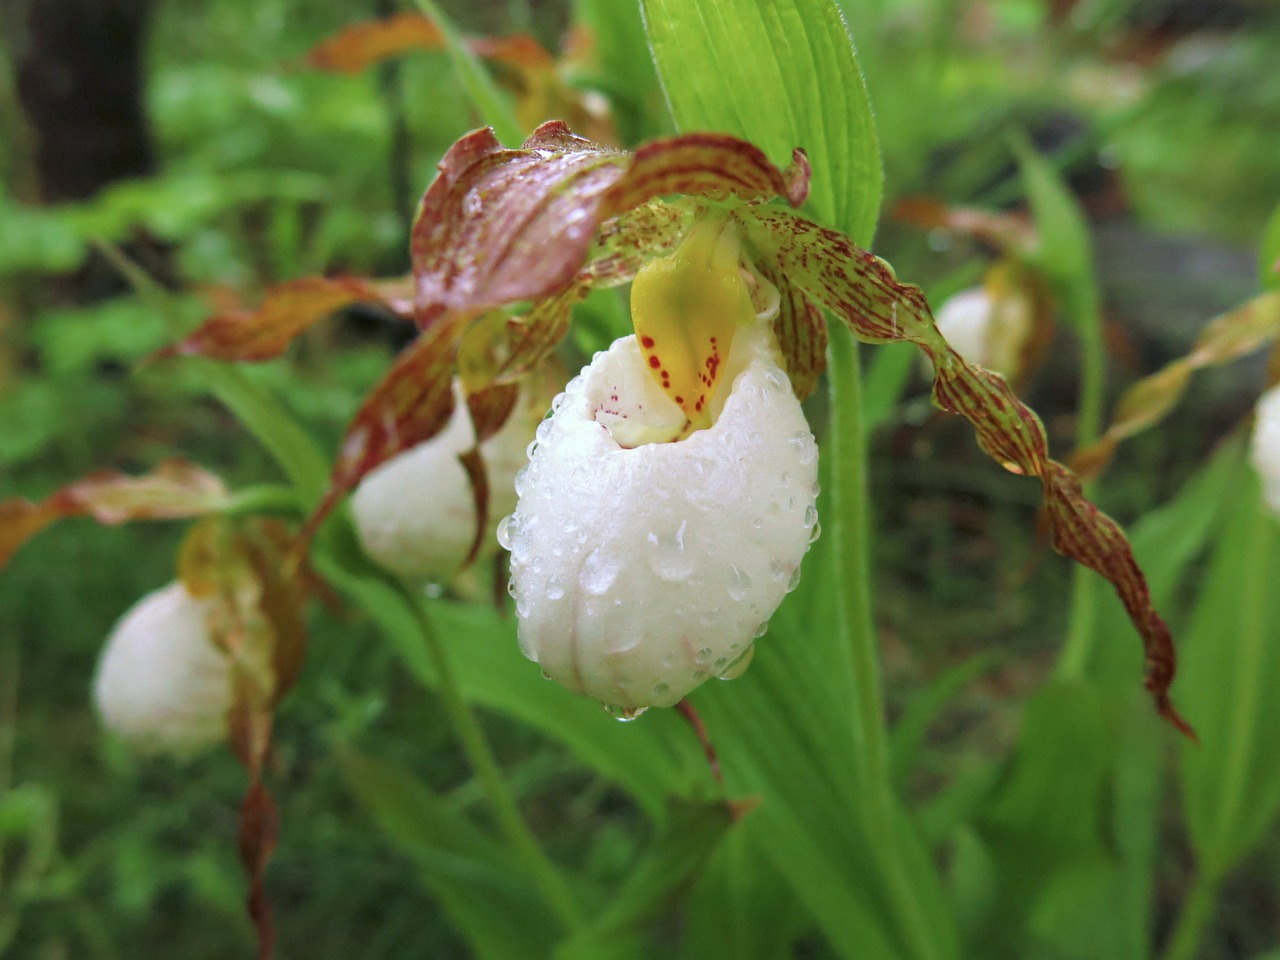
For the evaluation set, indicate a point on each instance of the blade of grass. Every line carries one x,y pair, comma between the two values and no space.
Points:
479,86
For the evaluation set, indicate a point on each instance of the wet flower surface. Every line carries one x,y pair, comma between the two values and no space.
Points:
162,683
641,571
1264,450
416,513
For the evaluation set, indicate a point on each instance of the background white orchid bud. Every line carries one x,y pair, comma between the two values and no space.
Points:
415,514
162,683
989,331
641,571
1264,449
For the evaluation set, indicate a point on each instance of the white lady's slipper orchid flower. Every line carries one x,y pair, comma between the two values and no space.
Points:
989,331
162,683
415,514
1264,449
640,568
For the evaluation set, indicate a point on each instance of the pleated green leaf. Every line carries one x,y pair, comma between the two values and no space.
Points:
1231,687
490,901
783,74
1269,254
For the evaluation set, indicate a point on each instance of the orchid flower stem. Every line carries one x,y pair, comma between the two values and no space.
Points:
687,711
266,498
855,617
1197,910
476,82
1082,631
485,766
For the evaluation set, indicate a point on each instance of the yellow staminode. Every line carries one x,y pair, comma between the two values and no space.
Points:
685,308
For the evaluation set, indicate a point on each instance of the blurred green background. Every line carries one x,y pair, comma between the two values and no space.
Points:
221,161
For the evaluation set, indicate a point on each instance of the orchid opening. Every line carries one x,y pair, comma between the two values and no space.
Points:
661,520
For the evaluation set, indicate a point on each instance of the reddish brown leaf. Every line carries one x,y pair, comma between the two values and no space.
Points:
863,291
257,618
243,564
361,45
1009,232
286,311
259,829
499,226
173,490
518,50
478,478
1227,337
410,405
626,241
714,166
800,329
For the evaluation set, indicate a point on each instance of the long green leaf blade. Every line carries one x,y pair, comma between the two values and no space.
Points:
783,74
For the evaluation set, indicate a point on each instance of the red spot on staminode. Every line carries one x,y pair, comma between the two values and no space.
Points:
655,362
646,342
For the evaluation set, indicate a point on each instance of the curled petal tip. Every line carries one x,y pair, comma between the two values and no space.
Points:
797,178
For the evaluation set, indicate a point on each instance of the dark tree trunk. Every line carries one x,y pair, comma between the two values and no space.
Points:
80,80
81,84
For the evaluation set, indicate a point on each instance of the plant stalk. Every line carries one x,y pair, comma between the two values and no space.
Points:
1197,910
480,756
856,621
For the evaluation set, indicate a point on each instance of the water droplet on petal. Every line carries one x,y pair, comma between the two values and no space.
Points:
507,530
761,630
739,582
739,666
600,570
555,588
624,714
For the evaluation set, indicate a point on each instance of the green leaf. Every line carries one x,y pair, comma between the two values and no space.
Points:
783,74
689,837
477,882
1269,254
626,66
1043,830
1065,256
1230,684
741,907
485,96
1166,541
907,739
262,414
782,734
1065,252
